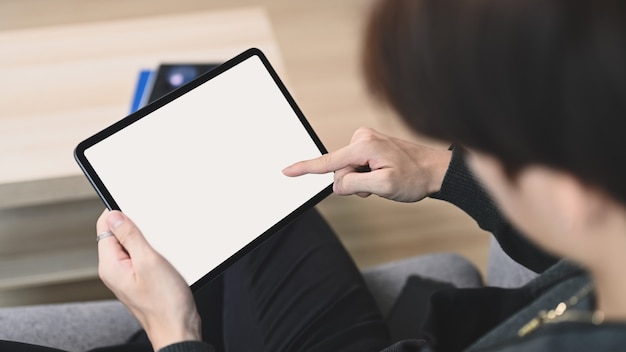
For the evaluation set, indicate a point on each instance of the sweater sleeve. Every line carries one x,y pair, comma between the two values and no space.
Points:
409,346
462,189
188,346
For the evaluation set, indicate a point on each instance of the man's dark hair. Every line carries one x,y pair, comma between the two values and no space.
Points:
527,81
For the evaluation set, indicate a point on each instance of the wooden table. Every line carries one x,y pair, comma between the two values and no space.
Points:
62,84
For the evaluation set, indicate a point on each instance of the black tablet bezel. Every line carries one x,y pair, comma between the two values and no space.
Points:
109,201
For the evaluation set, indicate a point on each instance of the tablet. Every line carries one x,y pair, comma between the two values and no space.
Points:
200,169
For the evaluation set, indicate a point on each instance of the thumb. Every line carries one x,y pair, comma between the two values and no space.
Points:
126,232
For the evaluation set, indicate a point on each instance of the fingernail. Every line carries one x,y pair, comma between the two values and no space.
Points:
115,219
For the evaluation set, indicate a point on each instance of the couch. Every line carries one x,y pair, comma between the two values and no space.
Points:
84,325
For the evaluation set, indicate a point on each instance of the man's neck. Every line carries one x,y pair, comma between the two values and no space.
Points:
611,297
609,280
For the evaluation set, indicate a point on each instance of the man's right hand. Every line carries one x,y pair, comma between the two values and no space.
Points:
374,163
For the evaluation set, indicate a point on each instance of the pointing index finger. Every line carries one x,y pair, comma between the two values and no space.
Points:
326,163
320,165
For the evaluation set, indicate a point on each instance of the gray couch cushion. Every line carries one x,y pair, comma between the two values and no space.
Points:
502,271
386,280
70,327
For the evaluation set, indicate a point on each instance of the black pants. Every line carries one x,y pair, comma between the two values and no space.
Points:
299,291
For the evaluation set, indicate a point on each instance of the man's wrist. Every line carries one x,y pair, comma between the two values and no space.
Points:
167,335
439,168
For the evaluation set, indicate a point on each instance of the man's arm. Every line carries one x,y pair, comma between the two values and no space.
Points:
461,188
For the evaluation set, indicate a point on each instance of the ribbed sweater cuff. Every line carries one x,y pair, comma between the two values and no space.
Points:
460,188
188,346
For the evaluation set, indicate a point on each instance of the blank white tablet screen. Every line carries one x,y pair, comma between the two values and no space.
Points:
201,176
